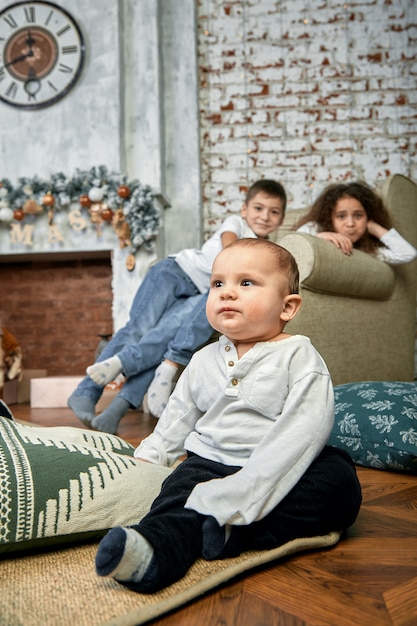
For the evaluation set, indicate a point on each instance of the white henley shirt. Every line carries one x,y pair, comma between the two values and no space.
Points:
270,413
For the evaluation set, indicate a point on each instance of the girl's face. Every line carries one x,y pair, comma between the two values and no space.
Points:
349,218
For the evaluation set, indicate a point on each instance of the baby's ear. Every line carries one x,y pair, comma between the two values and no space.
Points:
291,306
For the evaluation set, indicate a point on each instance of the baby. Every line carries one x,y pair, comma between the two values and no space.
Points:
252,412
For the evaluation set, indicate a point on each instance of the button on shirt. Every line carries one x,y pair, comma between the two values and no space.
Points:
270,412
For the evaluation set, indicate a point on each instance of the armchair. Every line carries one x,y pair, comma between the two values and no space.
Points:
359,312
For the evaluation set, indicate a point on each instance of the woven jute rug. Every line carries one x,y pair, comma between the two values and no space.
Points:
61,587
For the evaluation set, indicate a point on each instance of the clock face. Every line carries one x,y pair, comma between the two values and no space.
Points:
41,54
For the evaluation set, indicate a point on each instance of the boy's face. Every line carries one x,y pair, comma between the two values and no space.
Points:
247,296
263,214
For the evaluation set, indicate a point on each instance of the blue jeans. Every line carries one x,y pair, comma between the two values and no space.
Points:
166,299
194,332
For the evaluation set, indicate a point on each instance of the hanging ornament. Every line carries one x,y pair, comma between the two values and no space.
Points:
48,200
121,228
130,262
96,218
106,213
94,211
123,191
96,194
31,207
18,215
85,201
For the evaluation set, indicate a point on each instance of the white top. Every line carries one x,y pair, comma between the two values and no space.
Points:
198,263
396,252
270,412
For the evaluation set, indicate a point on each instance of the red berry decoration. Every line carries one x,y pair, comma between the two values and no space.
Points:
85,201
18,215
48,200
123,191
107,214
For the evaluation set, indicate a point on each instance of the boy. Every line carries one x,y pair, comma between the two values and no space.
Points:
253,413
167,317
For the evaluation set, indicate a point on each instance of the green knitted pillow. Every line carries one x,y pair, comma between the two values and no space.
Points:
376,423
60,485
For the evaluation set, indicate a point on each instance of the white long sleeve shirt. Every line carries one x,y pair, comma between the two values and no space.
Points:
396,250
270,413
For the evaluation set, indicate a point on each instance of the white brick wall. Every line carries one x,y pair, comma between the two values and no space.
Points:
307,92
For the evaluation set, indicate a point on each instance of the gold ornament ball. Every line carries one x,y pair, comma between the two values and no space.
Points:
18,215
123,191
48,200
85,201
107,214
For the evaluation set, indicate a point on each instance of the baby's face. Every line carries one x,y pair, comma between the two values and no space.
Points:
247,295
349,218
263,214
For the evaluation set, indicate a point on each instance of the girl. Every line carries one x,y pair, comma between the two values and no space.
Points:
352,215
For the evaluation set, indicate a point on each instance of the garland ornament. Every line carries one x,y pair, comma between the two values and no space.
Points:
105,198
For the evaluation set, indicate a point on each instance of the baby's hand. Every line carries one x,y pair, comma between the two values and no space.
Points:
340,241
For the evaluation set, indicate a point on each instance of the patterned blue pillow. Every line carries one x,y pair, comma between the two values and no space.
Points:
376,423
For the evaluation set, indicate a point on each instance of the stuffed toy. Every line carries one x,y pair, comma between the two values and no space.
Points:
10,357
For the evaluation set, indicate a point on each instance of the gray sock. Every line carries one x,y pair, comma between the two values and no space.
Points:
123,554
104,372
161,388
83,407
108,421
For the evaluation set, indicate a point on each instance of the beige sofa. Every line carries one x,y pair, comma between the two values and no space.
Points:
359,312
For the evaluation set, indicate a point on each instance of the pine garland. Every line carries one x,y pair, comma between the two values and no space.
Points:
112,190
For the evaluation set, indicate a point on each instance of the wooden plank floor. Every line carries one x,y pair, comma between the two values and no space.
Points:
369,578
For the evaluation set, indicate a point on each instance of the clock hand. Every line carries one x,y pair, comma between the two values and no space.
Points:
30,41
21,57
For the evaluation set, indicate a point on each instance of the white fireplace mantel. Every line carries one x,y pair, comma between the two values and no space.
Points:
135,110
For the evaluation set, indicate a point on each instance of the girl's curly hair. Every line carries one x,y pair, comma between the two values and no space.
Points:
321,211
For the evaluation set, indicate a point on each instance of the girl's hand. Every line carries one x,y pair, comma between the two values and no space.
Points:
376,229
340,241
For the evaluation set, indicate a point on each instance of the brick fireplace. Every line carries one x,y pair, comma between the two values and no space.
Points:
57,309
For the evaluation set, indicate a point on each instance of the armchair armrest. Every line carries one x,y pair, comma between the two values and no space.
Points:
324,268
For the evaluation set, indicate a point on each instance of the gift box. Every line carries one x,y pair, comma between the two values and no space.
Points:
52,392
18,391
23,391
10,391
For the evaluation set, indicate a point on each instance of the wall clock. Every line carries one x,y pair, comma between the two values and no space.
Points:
42,54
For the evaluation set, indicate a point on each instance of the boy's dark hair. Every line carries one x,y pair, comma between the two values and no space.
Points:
270,187
321,211
284,260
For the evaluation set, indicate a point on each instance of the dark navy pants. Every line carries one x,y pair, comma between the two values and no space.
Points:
327,498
